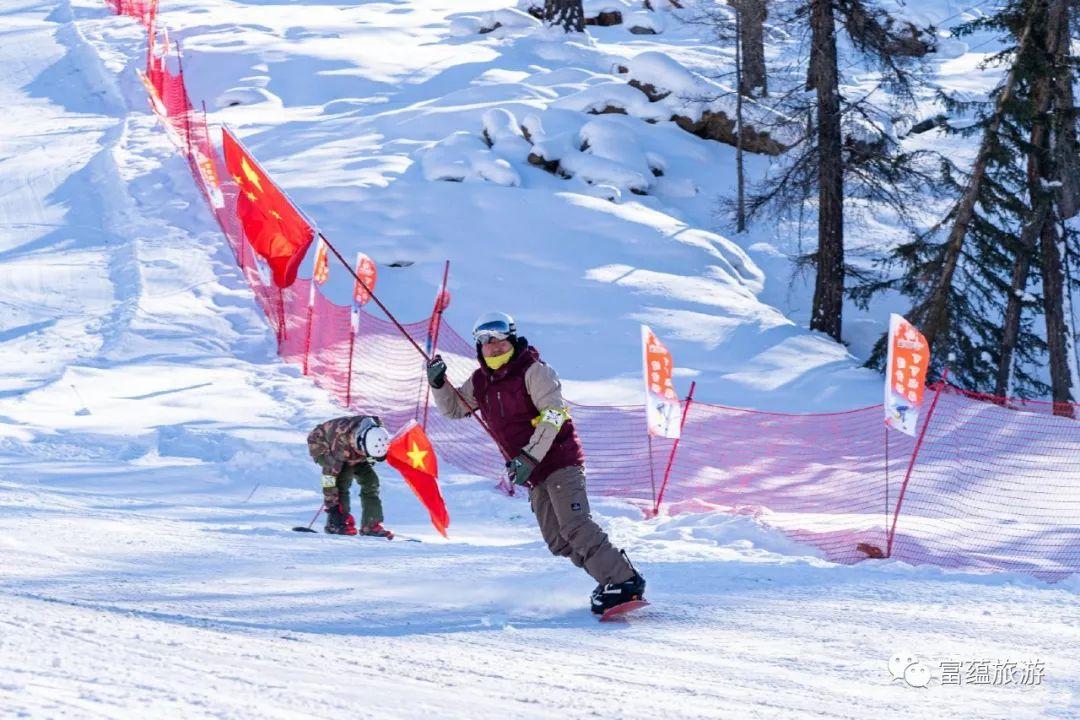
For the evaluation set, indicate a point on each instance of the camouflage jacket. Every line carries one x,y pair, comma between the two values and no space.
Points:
331,444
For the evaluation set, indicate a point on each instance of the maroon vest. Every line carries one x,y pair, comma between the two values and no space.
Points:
509,411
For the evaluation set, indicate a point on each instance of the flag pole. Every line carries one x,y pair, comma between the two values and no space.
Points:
439,309
310,319
674,448
354,327
412,342
911,464
370,292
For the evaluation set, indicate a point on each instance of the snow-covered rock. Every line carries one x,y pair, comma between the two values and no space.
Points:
503,134
464,157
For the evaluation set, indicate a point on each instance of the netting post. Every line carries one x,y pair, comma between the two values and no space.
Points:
187,101
674,448
652,470
310,323
281,318
886,526
911,463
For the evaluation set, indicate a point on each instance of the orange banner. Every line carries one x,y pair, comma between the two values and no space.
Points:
366,271
905,379
661,402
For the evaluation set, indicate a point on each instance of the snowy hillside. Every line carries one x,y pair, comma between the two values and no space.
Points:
152,455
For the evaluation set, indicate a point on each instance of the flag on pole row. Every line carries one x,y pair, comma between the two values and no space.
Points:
273,227
905,379
366,271
661,404
412,455
320,271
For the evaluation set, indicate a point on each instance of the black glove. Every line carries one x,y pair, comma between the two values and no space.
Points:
520,468
436,372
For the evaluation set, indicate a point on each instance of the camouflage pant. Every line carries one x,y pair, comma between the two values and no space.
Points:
368,482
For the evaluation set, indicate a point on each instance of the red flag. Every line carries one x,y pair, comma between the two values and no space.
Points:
273,227
411,455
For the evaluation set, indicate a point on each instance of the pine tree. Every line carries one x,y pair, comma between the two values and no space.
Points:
972,291
847,150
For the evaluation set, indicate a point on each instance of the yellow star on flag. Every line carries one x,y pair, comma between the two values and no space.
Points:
251,174
416,455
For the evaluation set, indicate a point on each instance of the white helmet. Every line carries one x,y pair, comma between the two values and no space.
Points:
372,439
493,326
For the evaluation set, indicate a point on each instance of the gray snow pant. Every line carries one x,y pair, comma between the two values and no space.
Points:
561,506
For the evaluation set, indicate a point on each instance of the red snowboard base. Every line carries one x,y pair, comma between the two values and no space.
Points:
617,612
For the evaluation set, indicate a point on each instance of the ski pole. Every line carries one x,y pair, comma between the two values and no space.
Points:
301,528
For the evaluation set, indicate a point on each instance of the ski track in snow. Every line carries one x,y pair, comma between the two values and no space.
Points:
138,580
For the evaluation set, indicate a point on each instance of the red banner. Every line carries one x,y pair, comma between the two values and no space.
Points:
366,271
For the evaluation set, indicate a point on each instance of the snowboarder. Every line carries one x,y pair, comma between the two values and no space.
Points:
520,398
347,448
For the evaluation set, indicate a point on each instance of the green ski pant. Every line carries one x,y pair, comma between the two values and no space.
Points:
368,482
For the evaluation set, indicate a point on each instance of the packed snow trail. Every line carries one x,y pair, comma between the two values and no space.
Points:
152,461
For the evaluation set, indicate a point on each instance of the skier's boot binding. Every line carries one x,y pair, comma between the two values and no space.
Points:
605,597
376,530
339,523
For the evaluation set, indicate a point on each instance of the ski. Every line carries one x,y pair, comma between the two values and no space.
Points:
300,528
619,611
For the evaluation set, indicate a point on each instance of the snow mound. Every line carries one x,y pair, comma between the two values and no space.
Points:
463,157
503,134
614,96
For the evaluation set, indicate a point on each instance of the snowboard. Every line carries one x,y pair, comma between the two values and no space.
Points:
620,611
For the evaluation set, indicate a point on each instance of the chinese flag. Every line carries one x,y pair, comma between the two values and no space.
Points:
411,455
273,227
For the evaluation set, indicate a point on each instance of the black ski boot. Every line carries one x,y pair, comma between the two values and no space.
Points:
605,597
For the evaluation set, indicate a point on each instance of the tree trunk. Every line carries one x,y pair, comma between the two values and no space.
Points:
1040,173
932,316
1057,305
1065,142
740,174
1015,307
751,16
826,313
567,14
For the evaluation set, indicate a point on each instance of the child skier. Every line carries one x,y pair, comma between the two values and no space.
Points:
347,448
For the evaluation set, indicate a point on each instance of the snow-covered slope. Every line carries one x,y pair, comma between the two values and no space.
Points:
151,445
